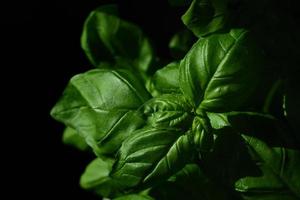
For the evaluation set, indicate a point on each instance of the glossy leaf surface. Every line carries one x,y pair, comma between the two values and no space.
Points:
220,72
100,105
168,110
152,155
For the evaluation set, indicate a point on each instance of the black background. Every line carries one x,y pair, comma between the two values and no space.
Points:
40,52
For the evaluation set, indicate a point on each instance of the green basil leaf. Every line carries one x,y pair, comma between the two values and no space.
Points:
244,170
181,43
229,160
259,157
206,16
108,39
166,80
267,185
202,132
152,155
96,178
100,105
280,175
169,110
71,137
220,72
134,197
218,120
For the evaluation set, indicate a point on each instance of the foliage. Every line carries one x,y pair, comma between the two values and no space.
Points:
217,121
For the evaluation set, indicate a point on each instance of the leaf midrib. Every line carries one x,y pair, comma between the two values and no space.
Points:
221,64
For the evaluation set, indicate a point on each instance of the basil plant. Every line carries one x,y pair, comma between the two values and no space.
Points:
217,120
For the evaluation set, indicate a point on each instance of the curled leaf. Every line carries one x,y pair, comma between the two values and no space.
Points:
202,131
169,110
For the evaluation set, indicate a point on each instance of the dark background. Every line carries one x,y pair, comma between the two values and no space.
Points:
40,52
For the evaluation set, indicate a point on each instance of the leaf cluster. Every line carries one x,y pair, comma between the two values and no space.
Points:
219,121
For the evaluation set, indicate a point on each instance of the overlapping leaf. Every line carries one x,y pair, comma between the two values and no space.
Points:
100,105
72,137
258,157
220,72
194,184
152,155
277,152
168,110
206,16
202,133
96,178
166,80
108,39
